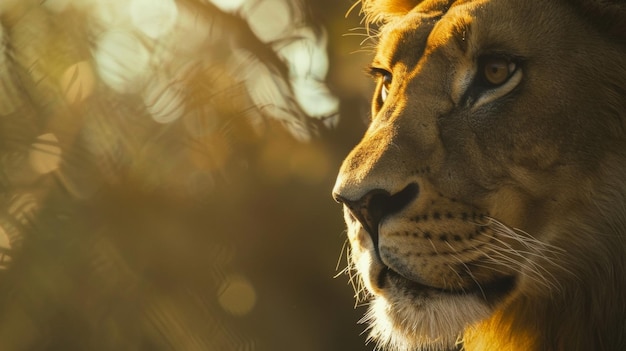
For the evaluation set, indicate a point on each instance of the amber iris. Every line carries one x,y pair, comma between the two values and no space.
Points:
496,70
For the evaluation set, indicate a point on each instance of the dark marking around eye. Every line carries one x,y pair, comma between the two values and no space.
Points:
493,70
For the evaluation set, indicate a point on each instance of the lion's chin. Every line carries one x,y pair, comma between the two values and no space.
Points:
408,316
434,323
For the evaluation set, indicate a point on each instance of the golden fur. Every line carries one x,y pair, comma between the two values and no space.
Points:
486,203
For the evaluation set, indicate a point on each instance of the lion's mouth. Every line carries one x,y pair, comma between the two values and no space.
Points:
491,292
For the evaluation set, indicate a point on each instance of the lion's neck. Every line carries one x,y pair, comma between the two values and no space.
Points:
549,325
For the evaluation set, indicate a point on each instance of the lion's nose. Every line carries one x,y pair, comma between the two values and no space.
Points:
377,204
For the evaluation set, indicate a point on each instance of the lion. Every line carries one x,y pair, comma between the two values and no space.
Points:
486,202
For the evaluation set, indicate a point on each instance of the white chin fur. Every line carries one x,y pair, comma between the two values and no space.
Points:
422,324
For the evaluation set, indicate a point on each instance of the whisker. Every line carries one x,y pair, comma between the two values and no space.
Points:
523,266
344,248
536,248
538,278
356,3
514,233
467,269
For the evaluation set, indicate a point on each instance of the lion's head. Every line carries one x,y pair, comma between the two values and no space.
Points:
486,203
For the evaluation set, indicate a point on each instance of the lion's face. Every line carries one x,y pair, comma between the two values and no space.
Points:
483,143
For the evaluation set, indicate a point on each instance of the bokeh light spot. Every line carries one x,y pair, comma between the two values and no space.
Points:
237,295
314,97
228,5
45,154
77,82
23,208
190,34
5,242
164,100
110,13
5,248
122,60
306,56
269,19
153,18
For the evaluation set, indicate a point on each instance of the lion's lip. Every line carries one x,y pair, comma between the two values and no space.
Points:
491,291
389,275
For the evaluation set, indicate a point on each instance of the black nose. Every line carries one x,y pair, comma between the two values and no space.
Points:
378,204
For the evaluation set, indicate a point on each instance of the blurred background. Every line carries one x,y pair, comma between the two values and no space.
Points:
166,169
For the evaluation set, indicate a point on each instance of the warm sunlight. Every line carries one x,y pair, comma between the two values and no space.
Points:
165,174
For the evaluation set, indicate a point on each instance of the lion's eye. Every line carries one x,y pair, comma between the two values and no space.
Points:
384,79
496,70
385,84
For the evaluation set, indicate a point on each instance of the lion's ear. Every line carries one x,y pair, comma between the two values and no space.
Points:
377,11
